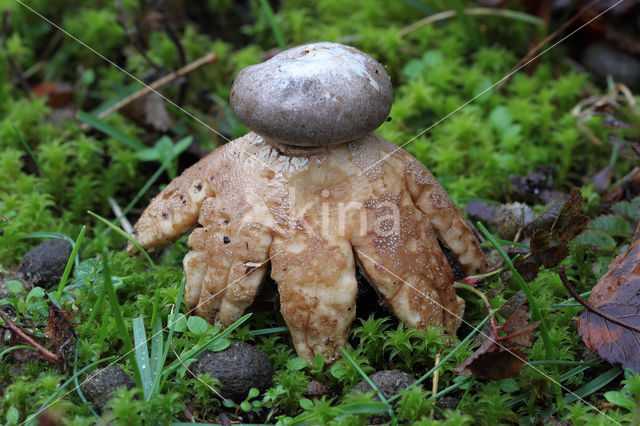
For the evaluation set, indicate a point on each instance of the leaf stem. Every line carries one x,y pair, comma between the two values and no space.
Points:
266,7
535,308
70,261
588,306
481,295
50,356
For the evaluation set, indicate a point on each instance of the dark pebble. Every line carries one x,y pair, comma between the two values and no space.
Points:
101,385
44,264
390,382
239,368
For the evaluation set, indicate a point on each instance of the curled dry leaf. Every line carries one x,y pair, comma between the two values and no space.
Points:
150,112
59,94
616,295
549,246
501,357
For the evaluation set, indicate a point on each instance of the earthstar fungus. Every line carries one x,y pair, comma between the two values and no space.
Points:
306,192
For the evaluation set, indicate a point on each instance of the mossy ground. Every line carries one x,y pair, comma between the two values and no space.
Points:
523,126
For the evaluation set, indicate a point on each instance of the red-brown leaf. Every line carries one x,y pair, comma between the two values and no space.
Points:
618,295
59,94
500,357
492,362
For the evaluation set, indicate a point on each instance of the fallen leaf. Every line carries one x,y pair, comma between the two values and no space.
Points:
59,94
482,210
501,357
316,389
628,189
494,364
618,295
570,221
549,246
149,111
602,179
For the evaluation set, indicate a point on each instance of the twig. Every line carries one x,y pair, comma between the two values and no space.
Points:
448,14
434,386
588,306
481,295
175,39
124,222
207,59
122,20
550,37
50,356
475,279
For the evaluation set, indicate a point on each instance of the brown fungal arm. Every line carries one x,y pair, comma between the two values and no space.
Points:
174,211
410,271
317,285
431,198
228,262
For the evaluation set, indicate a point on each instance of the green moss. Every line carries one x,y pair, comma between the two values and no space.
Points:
472,141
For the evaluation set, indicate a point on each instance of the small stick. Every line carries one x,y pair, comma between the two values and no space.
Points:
589,307
550,37
50,356
434,386
124,222
206,59
448,14
471,288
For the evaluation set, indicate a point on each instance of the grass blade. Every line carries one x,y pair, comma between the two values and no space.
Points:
96,306
355,365
171,324
156,349
117,315
142,356
533,304
365,408
594,385
140,193
471,28
70,261
564,377
110,130
124,235
270,331
266,7
75,381
13,348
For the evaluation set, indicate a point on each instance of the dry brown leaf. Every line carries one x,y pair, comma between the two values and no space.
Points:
59,94
617,294
500,357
